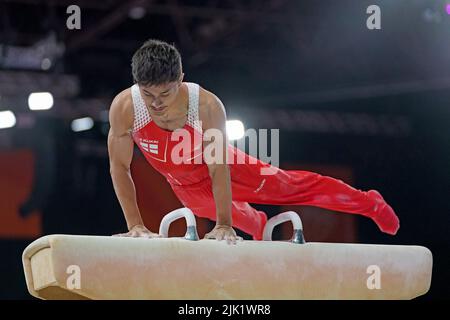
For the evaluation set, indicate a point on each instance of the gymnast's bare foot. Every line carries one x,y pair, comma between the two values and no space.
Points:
139,231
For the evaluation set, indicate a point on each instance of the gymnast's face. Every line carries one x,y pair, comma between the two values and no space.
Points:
160,97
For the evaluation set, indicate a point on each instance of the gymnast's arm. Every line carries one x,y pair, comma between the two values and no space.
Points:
120,150
218,169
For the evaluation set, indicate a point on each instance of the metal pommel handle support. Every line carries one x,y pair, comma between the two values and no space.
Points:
191,230
292,216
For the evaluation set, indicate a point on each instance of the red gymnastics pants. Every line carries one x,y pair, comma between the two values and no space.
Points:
285,187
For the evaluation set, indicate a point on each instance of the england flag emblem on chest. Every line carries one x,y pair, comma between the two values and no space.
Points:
152,147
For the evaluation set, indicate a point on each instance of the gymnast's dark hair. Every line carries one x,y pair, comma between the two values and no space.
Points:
156,62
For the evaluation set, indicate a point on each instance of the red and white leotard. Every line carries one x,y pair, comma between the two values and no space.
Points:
192,184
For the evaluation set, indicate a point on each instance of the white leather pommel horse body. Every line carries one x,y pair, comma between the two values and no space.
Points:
99,267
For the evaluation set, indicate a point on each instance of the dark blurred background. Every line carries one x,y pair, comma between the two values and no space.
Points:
371,107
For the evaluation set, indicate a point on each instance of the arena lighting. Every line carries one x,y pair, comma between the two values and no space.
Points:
7,119
137,13
46,64
40,101
235,129
82,124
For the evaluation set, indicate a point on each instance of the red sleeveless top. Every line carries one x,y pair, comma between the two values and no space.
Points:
159,146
